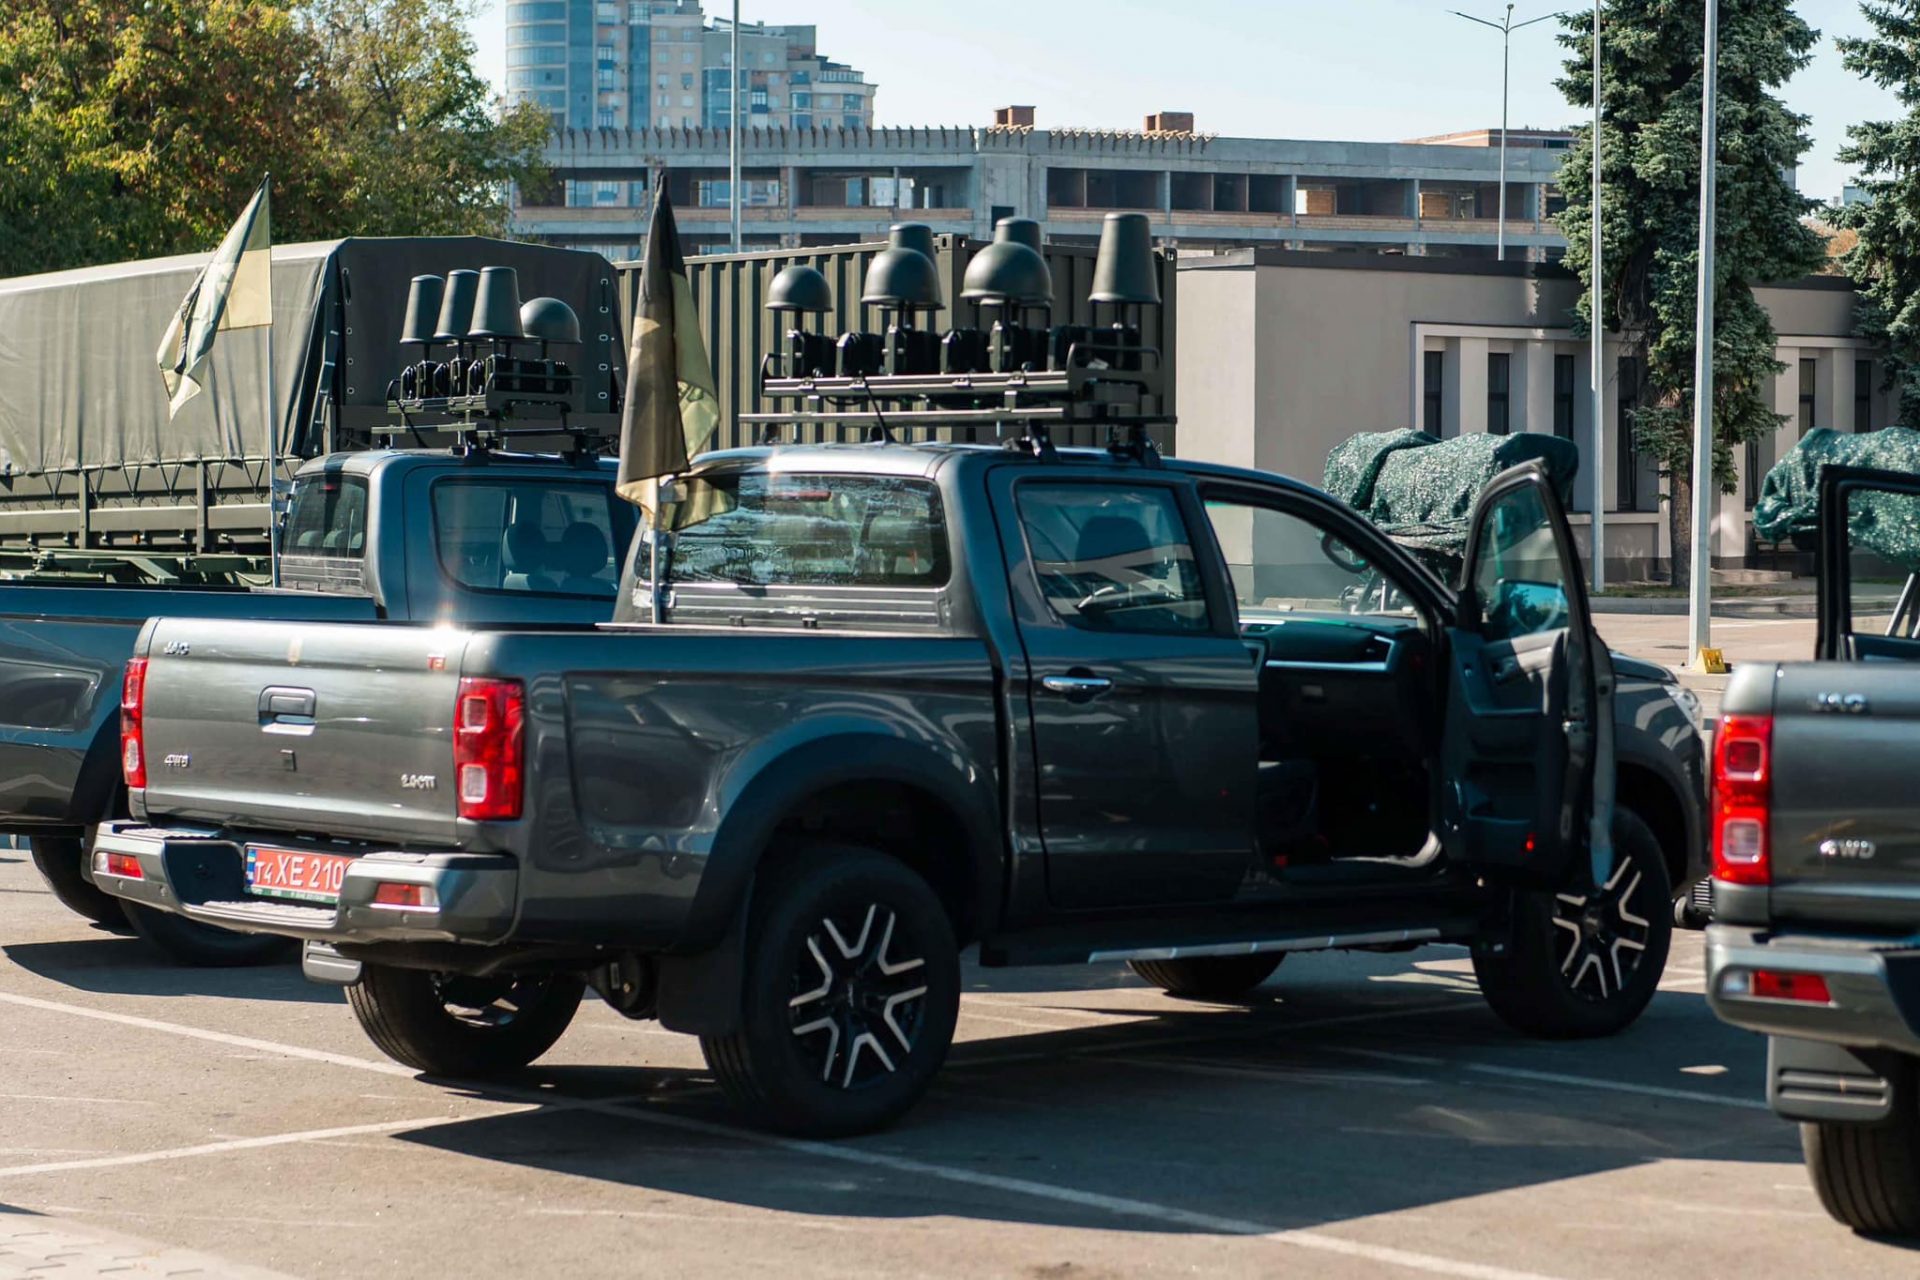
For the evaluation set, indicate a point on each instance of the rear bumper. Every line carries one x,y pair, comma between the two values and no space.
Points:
200,874
1850,1060
1874,986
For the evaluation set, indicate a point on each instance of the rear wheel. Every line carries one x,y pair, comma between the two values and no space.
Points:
189,942
59,862
851,991
1209,977
1868,1176
449,1024
1579,965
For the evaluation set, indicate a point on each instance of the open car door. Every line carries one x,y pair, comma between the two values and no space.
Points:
1869,566
1528,721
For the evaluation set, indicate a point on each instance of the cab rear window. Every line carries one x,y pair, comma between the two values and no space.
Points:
327,518
527,535
763,529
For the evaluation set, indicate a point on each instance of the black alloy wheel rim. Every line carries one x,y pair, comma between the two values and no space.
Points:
1601,937
488,1003
859,996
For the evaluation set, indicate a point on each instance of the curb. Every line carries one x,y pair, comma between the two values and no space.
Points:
1754,607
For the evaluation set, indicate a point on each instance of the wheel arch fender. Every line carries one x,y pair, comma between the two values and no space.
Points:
700,979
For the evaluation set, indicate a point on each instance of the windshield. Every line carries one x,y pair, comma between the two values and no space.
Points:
760,529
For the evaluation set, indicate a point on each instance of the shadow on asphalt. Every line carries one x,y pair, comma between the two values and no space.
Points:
114,965
1216,1113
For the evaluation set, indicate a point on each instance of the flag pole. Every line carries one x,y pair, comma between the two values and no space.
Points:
273,444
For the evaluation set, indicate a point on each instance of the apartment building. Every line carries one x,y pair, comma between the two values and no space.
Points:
662,64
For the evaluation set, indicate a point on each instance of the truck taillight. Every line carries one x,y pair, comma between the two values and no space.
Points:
1742,799
488,731
133,743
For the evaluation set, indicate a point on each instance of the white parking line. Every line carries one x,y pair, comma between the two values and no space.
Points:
1619,1086
1126,1207
239,1144
214,1037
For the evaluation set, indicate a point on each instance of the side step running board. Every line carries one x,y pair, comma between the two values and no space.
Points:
1320,942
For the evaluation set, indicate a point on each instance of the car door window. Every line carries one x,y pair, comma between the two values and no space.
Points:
1114,557
1519,576
1284,563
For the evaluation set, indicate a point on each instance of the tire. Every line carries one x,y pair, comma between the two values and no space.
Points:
202,946
850,995
1209,977
59,862
1868,1176
1570,974
452,1025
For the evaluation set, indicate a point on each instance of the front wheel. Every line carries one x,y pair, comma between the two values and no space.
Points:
851,992
1586,964
1868,1176
59,862
449,1024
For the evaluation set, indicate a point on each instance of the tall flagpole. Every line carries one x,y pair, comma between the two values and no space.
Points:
273,443
1700,603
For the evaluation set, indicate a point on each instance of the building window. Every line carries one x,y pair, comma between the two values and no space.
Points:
1432,384
1563,397
686,99
606,78
606,117
804,102
686,57
1626,457
1863,395
686,82
604,53
1499,364
852,102
1808,369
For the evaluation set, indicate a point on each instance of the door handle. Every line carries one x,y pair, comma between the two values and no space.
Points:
1076,687
1505,670
280,702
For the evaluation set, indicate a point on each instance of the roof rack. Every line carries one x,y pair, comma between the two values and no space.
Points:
1108,379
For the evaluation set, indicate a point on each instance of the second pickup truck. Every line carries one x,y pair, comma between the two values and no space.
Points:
1068,707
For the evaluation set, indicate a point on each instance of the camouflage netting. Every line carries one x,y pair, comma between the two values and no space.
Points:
1888,525
1420,490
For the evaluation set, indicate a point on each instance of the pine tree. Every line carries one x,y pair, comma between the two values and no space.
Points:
1650,200
1885,264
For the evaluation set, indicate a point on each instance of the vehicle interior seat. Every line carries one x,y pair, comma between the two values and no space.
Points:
527,557
583,559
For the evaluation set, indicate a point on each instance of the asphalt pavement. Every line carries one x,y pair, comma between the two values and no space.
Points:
1366,1117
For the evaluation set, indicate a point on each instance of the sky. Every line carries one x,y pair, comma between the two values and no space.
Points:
1366,70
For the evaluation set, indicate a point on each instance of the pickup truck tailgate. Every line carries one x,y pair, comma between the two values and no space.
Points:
337,730
1846,763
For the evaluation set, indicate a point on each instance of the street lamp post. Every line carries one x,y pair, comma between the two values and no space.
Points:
1700,601
733,124
1597,358
1506,27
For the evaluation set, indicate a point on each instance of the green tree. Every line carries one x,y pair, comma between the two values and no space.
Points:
1652,84
1885,263
134,128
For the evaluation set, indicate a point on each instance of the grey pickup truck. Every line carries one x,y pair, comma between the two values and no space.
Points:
433,536
1816,872
1074,706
